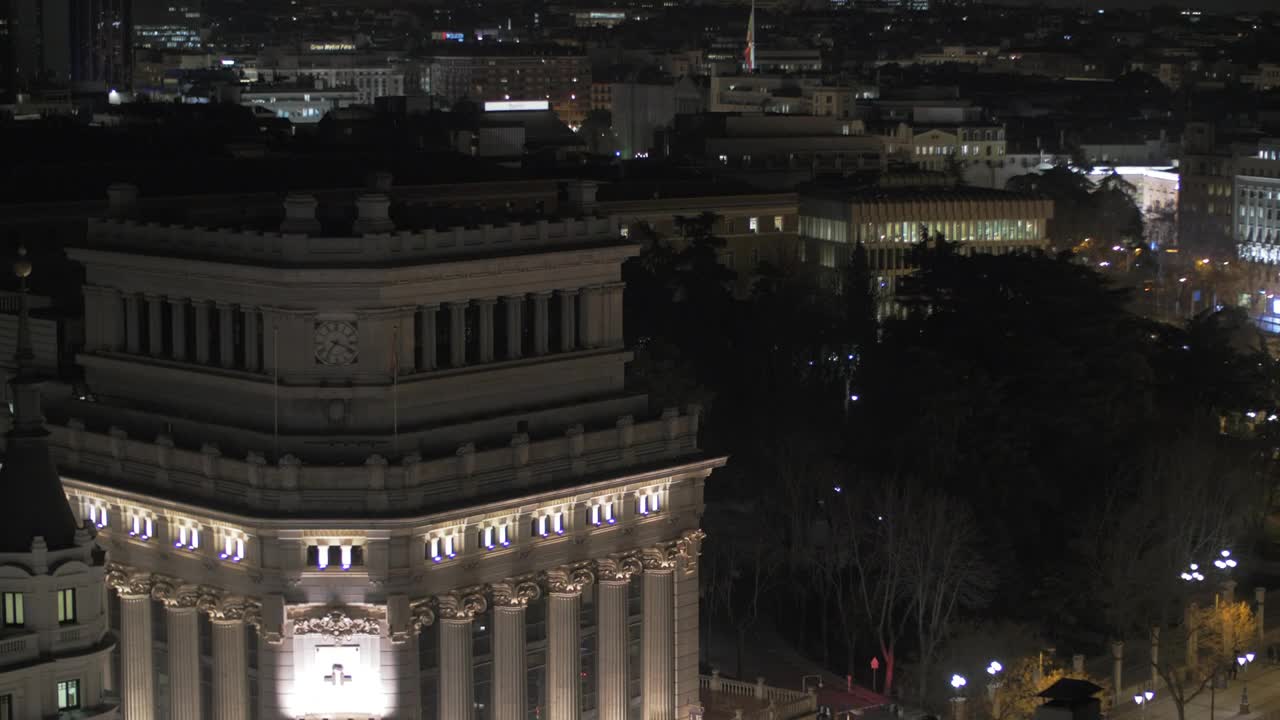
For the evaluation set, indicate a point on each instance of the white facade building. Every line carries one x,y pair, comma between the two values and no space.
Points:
381,473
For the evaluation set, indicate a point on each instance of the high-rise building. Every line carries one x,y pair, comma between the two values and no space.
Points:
167,24
69,44
55,648
381,468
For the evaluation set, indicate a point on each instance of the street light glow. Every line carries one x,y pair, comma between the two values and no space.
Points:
994,668
958,681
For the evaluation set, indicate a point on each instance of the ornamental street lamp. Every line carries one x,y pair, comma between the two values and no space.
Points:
1244,661
1144,699
957,703
993,687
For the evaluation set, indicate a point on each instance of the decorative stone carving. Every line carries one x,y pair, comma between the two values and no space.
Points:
336,624
463,604
660,557
515,593
128,581
234,607
689,547
422,615
619,568
569,580
173,593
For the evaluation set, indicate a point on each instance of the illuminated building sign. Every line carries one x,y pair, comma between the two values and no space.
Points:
331,46
509,105
443,36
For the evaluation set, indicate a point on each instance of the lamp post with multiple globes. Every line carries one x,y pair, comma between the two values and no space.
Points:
1144,699
957,683
993,687
1244,661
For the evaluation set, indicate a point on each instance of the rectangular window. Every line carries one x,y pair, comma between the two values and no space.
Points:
97,516
68,694
13,612
753,224
232,548
67,605
6,707
441,548
602,513
777,223
143,528
188,537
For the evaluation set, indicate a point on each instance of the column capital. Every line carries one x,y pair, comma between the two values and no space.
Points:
618,569
568,292
569,580
176,300
422,615
174,594
225,305
518,592
541,295
229,608
153,297
429,306
660,558
514,298
456,304
486,301
129,582
464,604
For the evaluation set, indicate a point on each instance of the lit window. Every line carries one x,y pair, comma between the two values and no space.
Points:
602,513
188,537
13,613
68,694
624,231
548,524
98,516
67,605
142,528
441,548
777,223
345,557
753,224
232,548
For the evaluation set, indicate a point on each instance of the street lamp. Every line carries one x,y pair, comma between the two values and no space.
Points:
1193,574
1144,699
993,687
1244,661
957,683
1225,561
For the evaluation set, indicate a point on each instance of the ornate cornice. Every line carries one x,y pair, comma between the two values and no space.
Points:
569,580
128,581
336,624
518,592
463,604
619,568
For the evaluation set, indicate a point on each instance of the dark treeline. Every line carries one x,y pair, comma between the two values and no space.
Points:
1014,445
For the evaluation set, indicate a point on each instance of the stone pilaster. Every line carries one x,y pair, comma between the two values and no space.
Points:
137,691
658,636
541,323
178,327
252,352
458,333
612,695
510,603
155,325
455,612
427,337
132,324
568,319
589,320
230,657
515,325
564,588
202,331
484,308
182,628
226,335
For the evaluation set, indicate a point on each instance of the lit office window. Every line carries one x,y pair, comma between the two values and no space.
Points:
67,605
13,612
68,694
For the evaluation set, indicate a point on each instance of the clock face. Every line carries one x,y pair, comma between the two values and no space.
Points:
337,342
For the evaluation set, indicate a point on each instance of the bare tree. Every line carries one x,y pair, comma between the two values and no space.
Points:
1213,634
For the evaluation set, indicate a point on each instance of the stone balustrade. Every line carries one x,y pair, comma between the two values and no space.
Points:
378,485
396,246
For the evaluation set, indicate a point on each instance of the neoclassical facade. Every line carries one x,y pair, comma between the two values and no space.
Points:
364,471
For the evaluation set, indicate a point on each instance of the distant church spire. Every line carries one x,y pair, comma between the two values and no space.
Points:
28,478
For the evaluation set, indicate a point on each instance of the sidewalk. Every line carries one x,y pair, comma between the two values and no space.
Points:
1264,697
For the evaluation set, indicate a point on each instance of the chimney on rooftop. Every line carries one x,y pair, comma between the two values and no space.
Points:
300,215
121,199
373,214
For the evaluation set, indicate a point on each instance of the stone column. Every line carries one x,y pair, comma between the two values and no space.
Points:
230,659
568,320
115,319
178,322
510,601
226,336
455,613
155,326
612,695
485,311
564,686
182,622
458,333
515,325
427,337
658,637
252,362
589,312
1260,596
541,323
132,324
612,314
201,331
137,683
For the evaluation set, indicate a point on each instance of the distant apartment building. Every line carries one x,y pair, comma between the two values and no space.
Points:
788,61
1256,210
167,24
959,54
1206,194
81,45
1155,192
888,221
638,109
767,93
840,101
371,76
940,146
487,75
301,104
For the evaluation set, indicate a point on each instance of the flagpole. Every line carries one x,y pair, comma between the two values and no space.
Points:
275,389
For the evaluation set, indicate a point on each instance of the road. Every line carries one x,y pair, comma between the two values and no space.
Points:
1264,696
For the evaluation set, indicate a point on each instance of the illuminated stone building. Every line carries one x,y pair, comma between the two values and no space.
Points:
353,465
